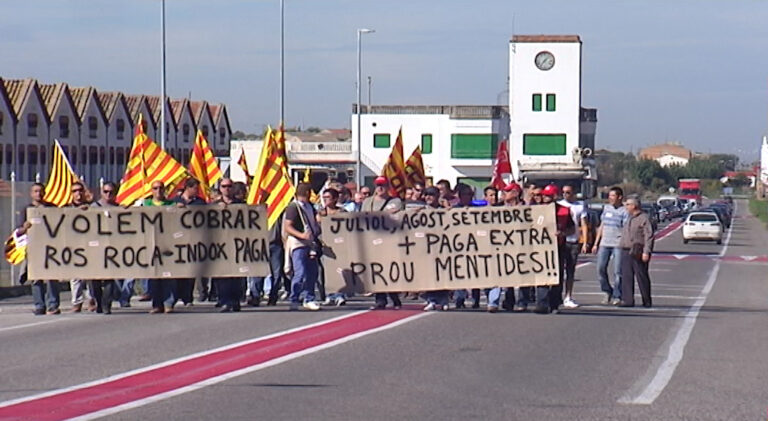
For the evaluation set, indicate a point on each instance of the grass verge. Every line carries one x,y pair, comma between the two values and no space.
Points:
759,208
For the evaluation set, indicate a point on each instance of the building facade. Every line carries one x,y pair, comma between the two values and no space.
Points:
94,128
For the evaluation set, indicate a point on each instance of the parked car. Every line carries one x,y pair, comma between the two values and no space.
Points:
674,211
663,213
701,225
725,210
720,215
653,215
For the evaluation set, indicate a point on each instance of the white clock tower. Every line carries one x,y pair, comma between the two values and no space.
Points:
545,109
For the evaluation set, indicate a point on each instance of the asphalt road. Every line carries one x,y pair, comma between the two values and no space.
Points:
699,354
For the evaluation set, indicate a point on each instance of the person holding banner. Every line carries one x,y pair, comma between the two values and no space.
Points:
549,299
190,196
381,201
162,290
575,243
42,291
77,286
103,291
302,232
330,198
466,194
512,196
437,299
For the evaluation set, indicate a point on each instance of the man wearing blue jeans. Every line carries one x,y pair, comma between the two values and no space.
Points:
612,221
301,227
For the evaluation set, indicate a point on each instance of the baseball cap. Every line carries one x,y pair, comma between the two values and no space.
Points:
381,181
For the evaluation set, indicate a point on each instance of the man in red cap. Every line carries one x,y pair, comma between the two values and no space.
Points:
565,226
381,201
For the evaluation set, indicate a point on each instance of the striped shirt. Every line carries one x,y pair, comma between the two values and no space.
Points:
613,221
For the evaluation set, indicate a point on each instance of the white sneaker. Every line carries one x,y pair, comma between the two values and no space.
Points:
311,305
340,301
606,299
429,307
445,307
569,303
327,301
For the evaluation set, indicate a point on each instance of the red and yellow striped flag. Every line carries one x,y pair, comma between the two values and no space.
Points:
147,163
16,248
414,168
272,184
58,190
203,166
394,169
243,163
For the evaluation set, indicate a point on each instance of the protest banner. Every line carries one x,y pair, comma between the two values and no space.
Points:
425,250
148,242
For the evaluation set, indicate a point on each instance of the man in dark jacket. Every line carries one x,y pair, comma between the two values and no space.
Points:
636,248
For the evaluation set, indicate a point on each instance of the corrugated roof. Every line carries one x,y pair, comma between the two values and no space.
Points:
18,90
52,95
546,38
109,102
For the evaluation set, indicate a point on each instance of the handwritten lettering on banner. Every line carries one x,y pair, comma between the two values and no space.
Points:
441,249
148,242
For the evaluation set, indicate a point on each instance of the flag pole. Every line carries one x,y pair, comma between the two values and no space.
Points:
13,219
282,61
162,75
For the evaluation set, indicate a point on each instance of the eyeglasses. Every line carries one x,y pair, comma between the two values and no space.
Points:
367,193
77,190
157,188
225,186
108,191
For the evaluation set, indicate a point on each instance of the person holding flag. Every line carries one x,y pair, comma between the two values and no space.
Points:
43,292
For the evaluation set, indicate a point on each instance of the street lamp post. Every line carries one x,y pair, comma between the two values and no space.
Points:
358,170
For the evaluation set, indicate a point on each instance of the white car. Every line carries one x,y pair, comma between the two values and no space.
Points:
702,226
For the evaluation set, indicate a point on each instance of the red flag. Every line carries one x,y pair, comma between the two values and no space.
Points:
394,169
502,165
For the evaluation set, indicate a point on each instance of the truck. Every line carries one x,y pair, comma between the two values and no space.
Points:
689,189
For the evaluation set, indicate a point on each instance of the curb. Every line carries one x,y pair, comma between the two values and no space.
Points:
15,291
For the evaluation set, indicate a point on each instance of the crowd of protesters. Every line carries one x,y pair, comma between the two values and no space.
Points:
295,244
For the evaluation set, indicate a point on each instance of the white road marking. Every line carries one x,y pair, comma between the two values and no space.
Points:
251,369
681,297
649,387
30,324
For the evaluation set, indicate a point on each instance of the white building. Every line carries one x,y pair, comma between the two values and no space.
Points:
551,136
550,131
458,142
668,160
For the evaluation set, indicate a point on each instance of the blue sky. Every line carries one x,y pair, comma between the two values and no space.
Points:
691,71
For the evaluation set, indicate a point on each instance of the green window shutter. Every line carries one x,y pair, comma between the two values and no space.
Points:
473,146
426,143
381,140
536,102
550,102
544,144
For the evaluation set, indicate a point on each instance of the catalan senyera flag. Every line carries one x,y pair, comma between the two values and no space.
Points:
58,189
272,184
394,169
147,163
502,166
414,168
243,163
16,248
203,166
312,195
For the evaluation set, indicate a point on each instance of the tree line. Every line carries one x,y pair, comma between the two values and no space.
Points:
624,168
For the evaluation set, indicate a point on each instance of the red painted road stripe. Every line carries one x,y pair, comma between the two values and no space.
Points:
669,229
88,399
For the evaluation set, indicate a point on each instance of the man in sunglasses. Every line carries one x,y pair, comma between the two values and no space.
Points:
77,286
103,291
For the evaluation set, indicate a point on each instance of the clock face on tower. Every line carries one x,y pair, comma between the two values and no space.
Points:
544,60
